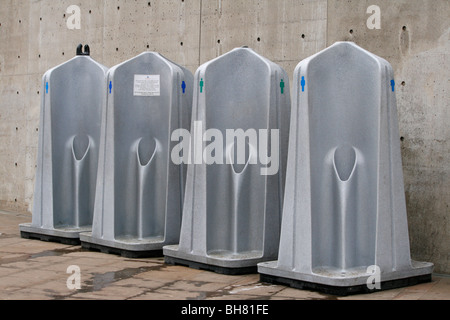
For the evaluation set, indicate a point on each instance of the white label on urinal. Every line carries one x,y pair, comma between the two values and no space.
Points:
147,85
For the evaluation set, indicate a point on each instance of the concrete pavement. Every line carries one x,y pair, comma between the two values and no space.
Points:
36,270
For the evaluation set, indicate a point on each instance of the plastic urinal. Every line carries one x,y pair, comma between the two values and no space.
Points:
344,224
71,107
232,210
140,191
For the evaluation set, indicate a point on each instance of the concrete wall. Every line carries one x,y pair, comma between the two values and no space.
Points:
414,37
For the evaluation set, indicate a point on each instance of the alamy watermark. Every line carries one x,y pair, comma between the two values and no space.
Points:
74,280
238,147
374,21
374,280
74,20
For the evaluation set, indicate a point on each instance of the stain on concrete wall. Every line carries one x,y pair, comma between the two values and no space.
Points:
413,36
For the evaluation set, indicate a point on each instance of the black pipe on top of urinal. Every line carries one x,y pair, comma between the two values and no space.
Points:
87,50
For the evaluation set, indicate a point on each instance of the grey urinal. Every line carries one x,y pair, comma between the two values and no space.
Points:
232,209
69,137
140,189
344,224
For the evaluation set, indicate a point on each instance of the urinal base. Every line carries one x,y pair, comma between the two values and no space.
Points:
47,238
207,267
345,291
63,236
218,261
130,254
132,248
